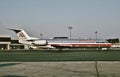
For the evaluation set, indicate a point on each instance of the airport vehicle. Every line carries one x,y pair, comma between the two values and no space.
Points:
25,39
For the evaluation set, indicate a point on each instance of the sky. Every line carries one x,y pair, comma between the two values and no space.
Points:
53,17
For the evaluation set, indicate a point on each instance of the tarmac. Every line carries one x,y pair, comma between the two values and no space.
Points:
60,69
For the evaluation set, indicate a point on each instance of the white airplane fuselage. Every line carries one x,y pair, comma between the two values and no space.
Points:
77,43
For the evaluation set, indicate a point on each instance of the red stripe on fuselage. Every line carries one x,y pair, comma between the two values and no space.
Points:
83,45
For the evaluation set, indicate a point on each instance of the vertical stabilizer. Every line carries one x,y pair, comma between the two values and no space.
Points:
24,38
22,35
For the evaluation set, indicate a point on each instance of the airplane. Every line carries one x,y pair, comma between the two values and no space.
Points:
25,39
33,42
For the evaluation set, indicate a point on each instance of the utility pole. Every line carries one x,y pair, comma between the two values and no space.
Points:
41,36
70,28
96,35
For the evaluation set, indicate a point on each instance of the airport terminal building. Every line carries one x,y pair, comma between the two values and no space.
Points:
6,43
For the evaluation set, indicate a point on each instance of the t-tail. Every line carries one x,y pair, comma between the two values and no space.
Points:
22,35
24,38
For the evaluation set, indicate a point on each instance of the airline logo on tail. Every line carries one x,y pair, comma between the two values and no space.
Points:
20,34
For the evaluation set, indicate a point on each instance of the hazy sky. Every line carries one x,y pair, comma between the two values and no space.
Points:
52,17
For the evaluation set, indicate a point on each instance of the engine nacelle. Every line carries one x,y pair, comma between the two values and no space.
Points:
40,42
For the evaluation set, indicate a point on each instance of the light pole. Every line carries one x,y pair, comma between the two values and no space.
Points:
41,35
70,28
96,35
